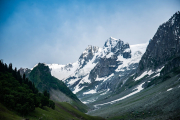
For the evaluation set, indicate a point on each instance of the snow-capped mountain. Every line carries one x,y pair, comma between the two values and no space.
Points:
100,69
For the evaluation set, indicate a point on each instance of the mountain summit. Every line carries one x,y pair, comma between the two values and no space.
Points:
117,47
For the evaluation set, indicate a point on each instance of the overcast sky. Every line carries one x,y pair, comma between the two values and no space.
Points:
50,31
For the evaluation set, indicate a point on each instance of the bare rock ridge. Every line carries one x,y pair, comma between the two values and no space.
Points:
87,55
117,46
163,47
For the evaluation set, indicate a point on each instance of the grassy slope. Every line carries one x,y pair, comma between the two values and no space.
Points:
63,111
43,79
6,114
154,102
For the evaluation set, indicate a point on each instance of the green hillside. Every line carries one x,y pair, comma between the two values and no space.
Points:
63,111
59,92
20,94
41,77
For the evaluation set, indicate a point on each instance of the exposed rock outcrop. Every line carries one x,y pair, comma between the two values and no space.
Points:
163,47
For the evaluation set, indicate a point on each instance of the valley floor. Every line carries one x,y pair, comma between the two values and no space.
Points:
161,102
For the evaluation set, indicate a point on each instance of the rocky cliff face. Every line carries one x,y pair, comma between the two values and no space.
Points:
163,47
108,63
104,67
117,47
87,55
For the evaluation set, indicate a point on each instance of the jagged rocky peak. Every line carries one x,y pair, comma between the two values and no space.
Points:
118,47
90,50
88,54
163,47
174,18
112,45
111,42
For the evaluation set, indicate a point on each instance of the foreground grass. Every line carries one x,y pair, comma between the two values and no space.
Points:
63,111
6,114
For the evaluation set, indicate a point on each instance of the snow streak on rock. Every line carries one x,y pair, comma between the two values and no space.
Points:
138,89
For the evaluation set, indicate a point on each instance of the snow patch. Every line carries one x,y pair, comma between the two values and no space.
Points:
172,22
109,55
63,71
86,80
100,79
89,101
157,75
91,91
150,72
169,89
72,82
144,74
159,70
77,89
138,89
136,54
104,78
105,92
127,50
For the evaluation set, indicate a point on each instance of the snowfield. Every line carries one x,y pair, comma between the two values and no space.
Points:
62,71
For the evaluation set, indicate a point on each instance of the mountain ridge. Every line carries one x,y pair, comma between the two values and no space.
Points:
155,56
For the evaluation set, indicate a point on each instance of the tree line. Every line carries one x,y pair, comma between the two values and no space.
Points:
19,93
